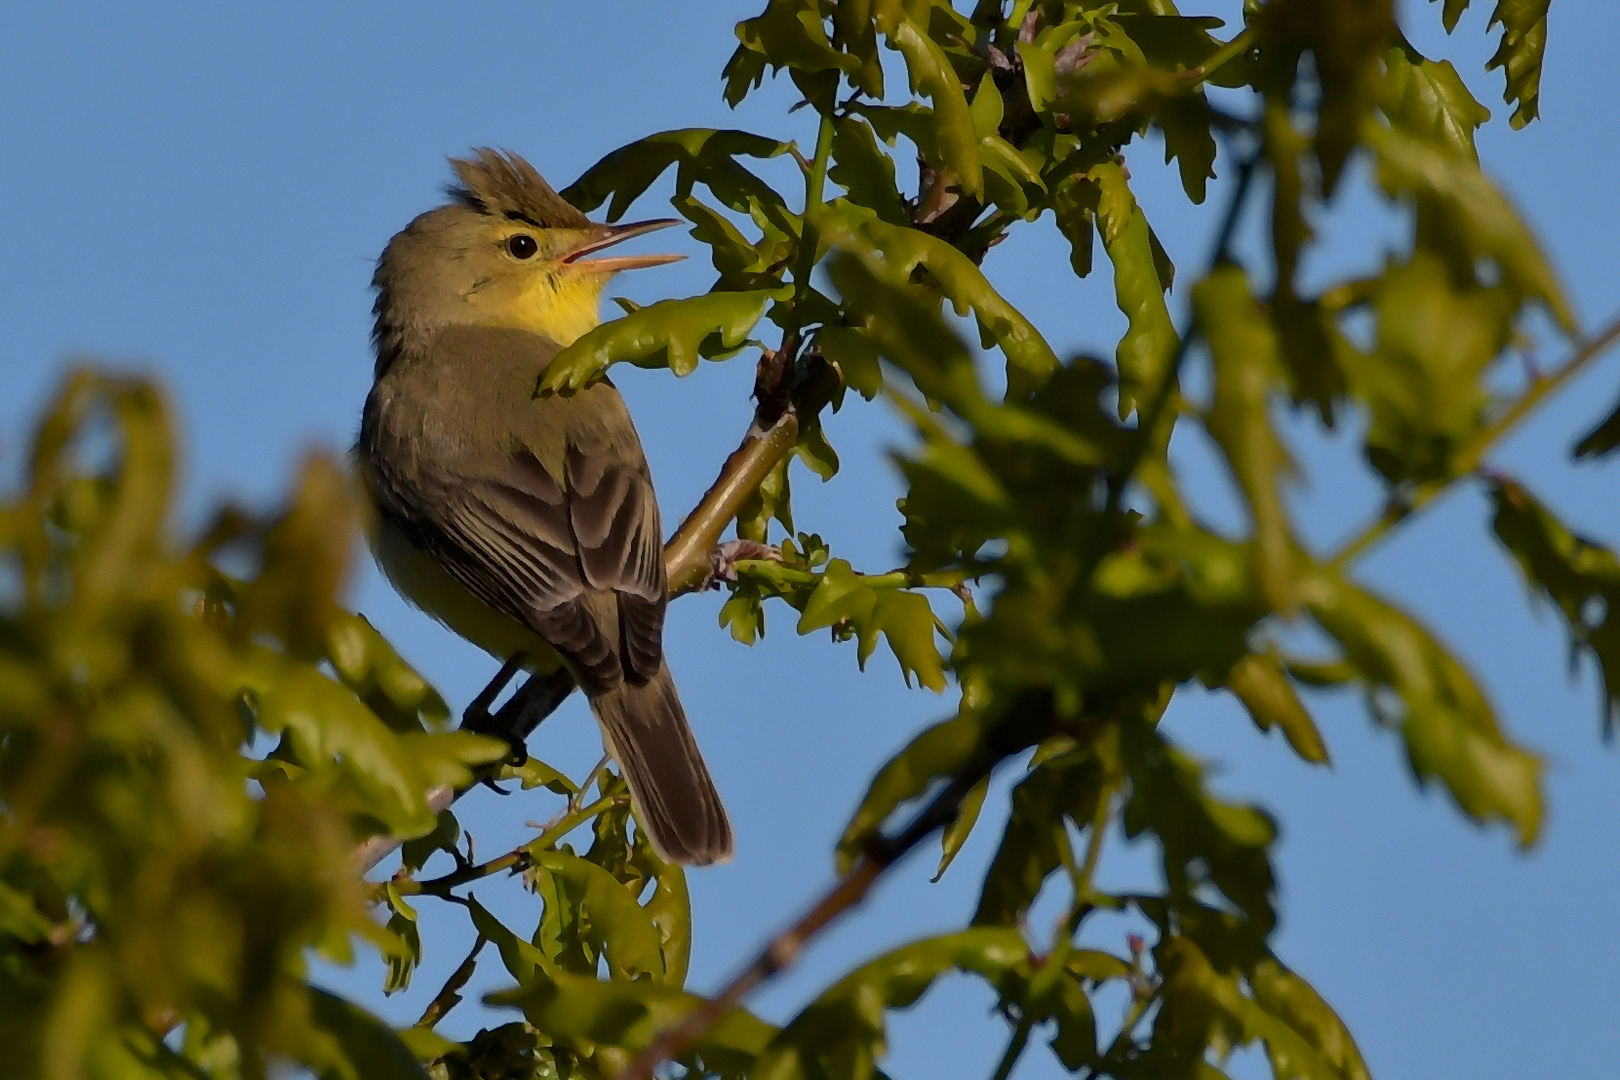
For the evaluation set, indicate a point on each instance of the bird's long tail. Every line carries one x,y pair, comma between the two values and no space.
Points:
647,733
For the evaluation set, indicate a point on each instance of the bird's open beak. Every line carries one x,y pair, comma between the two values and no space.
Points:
614,235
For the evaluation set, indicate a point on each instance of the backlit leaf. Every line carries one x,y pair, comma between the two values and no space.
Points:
670,333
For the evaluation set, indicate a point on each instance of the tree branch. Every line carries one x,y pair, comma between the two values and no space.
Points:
449,995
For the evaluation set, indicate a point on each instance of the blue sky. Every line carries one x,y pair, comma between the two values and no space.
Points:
199,191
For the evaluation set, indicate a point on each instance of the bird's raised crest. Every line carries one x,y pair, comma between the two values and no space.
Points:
501,183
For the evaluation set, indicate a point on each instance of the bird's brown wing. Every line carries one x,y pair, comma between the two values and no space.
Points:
534,547
614,518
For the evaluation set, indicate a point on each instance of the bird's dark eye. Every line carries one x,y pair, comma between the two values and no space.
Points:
522,246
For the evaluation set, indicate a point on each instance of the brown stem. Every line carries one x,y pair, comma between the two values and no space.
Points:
449,995
686,556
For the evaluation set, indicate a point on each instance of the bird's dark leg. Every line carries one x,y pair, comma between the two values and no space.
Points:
476,717
535,700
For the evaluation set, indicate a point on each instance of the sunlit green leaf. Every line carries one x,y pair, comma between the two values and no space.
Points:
1524,42
1449,728
1428,99
1473,213
670,333
1029,358
1258,680
619,926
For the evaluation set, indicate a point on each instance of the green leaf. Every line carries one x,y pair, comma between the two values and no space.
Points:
371,667
954,835
1261,684
1036,837
1030,360
1204,1010
576,1011
986,109
1450,731
447,758
839,594
524,962
856,33
1524,43
904,619
1429,100
744,613
329,728
864,170
907,622
1315,354
771,500
939,751
843,1030
670,333
858,359
619,927
1144,353
1185,120
20,919
1425,385
813,449
404,952
372,1049
536,773
1284,149
446,834
1074,206
670,910
931,74
1243,351
1295,1002
1012,182
1602,439
1579,576
704,154
1204,840
1469,212
1347,38
740,263
790,34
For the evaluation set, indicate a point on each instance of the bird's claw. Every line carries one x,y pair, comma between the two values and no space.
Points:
724,558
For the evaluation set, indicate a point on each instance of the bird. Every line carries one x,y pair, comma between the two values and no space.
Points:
527,522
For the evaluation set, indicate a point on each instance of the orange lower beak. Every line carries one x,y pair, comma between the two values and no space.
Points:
616,235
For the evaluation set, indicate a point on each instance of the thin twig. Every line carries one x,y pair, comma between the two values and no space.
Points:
449,995
513,860
1231,50
1472,454
1015,1048
1138,1009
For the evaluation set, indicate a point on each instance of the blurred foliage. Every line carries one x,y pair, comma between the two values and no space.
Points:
194,736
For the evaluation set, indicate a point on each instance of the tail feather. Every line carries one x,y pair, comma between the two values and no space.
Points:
646,732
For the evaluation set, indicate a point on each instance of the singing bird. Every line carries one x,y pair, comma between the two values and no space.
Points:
527,523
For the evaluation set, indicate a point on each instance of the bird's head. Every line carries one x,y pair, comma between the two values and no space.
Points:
508,251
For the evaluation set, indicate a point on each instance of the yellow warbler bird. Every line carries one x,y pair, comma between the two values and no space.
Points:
527,524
